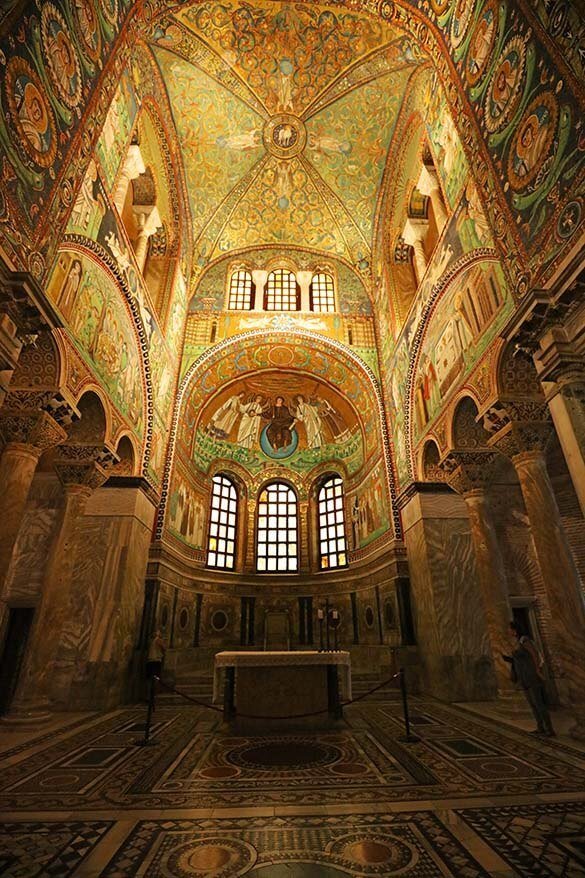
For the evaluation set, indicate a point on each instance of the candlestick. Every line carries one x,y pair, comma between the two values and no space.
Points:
327,622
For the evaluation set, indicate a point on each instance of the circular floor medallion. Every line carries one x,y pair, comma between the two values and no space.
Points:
376,854
212,857
284,754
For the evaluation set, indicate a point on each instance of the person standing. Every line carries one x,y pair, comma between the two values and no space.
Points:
527,672
156,654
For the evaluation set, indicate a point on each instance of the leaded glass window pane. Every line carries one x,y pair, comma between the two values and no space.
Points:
240,296
276,544
332,541
322,293
282,292
221,540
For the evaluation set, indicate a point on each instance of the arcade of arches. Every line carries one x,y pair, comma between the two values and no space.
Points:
291,312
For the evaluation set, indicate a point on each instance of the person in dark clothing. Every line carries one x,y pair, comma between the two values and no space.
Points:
527,672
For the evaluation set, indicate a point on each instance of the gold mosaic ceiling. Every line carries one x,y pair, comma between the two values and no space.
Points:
285,114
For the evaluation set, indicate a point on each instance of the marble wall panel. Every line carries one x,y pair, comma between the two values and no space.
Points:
449,616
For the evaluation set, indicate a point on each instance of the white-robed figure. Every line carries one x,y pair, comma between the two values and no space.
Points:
225,417
310,417
249,428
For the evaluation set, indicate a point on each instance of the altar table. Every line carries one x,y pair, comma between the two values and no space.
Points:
282,685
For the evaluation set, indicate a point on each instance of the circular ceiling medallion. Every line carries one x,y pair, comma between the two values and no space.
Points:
284,135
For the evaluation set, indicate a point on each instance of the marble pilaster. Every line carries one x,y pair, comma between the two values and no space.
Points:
101,631
468,473
81,469
447,607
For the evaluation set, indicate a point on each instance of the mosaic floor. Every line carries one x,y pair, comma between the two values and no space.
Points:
472,797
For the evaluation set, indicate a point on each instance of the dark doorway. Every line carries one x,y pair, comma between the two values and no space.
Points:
522,619
17,632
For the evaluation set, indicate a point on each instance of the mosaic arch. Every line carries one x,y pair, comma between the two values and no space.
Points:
109,335
474,302
514,90
301,353
283,416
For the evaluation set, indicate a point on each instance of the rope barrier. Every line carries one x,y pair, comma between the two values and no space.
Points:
398,675
285,716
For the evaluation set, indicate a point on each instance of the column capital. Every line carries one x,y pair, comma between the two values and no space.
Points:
25,303
468,472
516,426
414,231
84,466
34,429
428,181
147,218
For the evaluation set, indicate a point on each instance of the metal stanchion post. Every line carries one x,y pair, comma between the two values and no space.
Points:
145,741
408,738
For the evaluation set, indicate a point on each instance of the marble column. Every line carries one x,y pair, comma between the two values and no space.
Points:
565,394
414,234
428,184
27,435
563,585
468,473
133,166
148,221
80,474
304,279
259,277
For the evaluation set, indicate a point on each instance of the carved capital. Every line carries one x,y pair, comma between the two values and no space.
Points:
32,427
84,465
519,436
467,471
22,299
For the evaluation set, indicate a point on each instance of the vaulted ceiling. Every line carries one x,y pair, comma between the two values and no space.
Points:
285,114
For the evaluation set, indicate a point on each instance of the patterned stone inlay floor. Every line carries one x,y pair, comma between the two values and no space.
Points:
470,798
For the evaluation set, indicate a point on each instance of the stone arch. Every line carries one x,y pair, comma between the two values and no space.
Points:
313,353
94,424
516,375
464,430
97,256
41,364
429,461
127,452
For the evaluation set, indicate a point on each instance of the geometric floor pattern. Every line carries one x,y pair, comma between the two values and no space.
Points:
471,797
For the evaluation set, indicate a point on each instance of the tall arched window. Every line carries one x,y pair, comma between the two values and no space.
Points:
221,540
282,291
322,292
277,538
332,542
241,287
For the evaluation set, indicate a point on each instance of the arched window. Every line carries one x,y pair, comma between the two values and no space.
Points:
277,538
221,540
241,286
322,292
332,542
282,291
